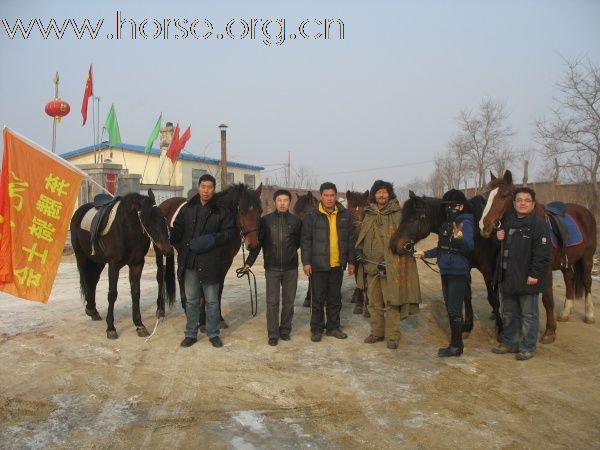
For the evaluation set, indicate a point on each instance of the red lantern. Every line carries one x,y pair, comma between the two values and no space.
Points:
57,108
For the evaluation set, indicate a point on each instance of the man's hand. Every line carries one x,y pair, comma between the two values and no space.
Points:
246,268
351,269
531,281
307,270
500,234
457,230
419,254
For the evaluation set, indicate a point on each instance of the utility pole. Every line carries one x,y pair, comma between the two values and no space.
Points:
223,164
289,170
525,172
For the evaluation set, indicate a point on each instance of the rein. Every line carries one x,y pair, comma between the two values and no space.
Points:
409,247
240,274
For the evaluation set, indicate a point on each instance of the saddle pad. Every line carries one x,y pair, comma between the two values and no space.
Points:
175,215
86,222
575,236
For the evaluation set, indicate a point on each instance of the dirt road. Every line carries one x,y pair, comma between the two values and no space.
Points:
63,384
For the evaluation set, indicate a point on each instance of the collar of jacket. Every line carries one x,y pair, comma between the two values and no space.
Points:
195,201
389,208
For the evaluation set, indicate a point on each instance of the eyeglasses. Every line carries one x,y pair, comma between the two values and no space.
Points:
523,200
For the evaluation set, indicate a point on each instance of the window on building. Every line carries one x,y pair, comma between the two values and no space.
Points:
230,178
196,174
250,180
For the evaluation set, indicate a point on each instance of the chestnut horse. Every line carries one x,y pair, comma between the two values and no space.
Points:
424,215
577,272
244,204
137,222
357,203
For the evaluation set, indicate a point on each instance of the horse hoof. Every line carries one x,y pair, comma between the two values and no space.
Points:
357,310
589,320
493,317
112,334
224,325
306,303
563,318
202,328
142,331
160,313
366,314
93,313
547,339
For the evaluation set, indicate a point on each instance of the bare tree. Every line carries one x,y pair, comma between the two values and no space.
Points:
419,185
303,178
485,137
572,133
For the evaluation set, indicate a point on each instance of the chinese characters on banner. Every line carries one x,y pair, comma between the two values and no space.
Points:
38,191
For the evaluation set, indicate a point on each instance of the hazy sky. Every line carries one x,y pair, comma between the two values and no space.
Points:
378,104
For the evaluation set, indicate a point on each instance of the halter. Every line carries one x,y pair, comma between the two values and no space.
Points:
244,233
139,214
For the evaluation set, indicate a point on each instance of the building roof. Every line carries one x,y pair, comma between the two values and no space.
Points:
155,151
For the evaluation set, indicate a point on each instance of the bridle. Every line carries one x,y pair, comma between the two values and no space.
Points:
145,230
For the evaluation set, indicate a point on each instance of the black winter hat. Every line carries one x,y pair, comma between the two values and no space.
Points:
454,196
380,184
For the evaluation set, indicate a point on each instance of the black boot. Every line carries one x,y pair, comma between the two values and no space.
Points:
456,344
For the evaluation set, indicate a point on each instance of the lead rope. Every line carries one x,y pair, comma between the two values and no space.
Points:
240,273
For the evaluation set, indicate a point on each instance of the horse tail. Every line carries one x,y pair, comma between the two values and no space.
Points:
579,270
79,253
170,279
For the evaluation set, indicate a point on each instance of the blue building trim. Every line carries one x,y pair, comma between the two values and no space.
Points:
155,151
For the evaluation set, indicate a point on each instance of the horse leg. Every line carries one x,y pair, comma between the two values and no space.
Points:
569,277
586,265
307,299
92,275
135,273
548,301
358,298
113,279
160,271
468,323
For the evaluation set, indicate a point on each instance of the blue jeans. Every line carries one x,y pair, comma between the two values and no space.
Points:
193,287
521,321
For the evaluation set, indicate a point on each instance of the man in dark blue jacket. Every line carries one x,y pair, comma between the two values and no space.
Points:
455,242
279,239
525,268
199,232
327,246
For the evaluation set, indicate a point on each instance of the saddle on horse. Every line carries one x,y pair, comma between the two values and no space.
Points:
103,204
555,212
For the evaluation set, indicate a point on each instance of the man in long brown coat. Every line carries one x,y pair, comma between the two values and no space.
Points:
392,280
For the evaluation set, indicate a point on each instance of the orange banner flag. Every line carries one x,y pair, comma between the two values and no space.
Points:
38,191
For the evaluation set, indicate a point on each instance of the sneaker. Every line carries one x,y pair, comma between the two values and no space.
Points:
392,345
273,342
284,336
524,356
502,349
216,341
188,342
371,339
337,333
315,336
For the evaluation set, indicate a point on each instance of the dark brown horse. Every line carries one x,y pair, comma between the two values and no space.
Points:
305,203
244,204
357,202
577,272
137,222
424,215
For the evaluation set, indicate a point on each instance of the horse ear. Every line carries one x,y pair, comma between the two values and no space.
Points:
508,176
259,189
348,193
411,194
297,195
151,195
492,176
366,194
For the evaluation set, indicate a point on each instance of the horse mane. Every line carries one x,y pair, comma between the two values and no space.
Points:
434,205
239,195
304,201
356,198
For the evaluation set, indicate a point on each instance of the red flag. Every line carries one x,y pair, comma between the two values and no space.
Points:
89,91
173,151
180,144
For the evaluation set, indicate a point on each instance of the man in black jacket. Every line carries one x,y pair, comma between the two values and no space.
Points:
525,268
327,246
199,232
279,239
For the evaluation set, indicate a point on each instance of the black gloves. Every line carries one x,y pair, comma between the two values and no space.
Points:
203,243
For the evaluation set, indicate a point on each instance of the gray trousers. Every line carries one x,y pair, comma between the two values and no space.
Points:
281,286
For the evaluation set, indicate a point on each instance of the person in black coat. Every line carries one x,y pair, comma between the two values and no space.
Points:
279,239
199,233
327,247
525,261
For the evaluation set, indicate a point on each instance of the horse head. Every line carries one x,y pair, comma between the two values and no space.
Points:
499,203
249,211
154,223
304,203
357,203
418,220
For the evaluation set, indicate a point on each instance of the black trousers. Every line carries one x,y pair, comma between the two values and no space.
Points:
280,285
327,299
454,288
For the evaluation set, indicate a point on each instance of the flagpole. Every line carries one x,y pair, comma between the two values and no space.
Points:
160,169
94,128
174,165
146,165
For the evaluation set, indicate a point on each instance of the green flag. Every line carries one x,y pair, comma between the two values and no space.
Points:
153,135
112,127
